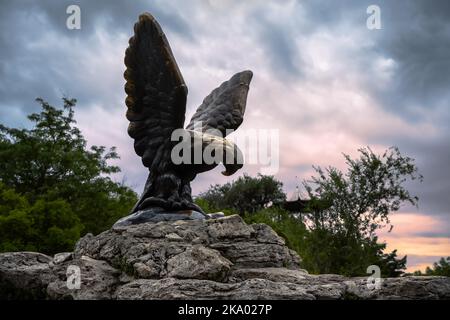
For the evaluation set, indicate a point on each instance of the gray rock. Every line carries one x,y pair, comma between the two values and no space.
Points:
62,257
170,288
265,234
319,289
230,227
404,288
98,280
146,270
192,259
272,274
216,215
199,262
174,237
24,275
243,245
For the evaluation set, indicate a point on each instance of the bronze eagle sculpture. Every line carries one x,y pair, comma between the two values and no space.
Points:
156,101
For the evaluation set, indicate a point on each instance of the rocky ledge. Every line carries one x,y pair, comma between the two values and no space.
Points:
192,259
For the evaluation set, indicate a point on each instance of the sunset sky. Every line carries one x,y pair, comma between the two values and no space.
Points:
321,77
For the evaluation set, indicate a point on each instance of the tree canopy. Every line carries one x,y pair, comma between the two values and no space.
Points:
339,237
61,188
439,268
244,195
361,198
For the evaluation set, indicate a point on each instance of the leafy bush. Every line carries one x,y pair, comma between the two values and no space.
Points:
440,268
246,194
336,233
54,188
45,226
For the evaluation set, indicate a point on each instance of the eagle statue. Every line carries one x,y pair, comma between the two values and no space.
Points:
156,106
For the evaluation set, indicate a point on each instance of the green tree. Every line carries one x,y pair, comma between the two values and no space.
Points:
45,226
245,195
336,233
344,235
390,265
16,232
440,268
52,168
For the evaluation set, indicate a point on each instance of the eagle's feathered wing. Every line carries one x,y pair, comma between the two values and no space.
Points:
223,109
220,113
156,92
156,101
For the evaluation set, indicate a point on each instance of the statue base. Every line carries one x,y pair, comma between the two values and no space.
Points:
160,214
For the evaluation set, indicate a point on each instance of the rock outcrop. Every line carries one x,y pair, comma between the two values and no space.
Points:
192,259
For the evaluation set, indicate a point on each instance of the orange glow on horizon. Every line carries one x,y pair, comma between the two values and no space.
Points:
406,239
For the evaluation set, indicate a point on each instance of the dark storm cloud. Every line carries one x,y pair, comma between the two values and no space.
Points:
418,39
117,15
431,234
50,71
433,159
415,34
276,40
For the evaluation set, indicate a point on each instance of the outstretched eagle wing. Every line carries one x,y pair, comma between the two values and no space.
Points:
156,92
223,109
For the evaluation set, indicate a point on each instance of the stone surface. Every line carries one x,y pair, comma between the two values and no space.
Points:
98,280
199,262
24,275
192,259
170,288
62,257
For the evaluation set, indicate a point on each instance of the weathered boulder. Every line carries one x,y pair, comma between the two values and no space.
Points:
199,262
220,258
24,275
170,288
98,280
146,250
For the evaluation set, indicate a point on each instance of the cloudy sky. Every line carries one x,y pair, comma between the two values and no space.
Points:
321,77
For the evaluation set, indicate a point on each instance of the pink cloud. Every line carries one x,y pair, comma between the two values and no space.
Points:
405,237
